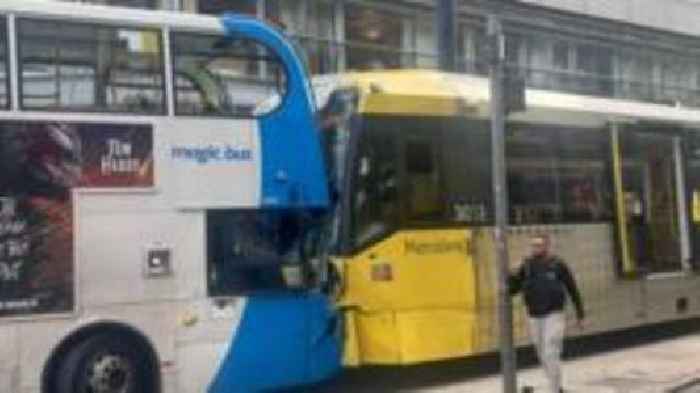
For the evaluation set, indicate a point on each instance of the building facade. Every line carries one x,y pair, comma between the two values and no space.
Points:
630,49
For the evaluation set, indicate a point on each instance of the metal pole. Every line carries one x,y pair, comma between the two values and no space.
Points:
447,34
500,194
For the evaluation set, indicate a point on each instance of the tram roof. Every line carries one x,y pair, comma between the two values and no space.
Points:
109,14
436,93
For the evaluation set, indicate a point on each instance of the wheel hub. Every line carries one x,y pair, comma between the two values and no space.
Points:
109,373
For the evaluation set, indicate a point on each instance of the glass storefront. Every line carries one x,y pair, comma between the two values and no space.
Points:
368,35
215,7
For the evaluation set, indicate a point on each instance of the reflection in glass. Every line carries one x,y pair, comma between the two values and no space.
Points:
86,67
375,203
4,80
247,249
649,184
557,176
216,77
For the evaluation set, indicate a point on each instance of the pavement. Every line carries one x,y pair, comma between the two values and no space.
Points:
671,366
658,359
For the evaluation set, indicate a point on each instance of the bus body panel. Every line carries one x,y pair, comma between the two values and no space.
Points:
113,229
118,230
195,336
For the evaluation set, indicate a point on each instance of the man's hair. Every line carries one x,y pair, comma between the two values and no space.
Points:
541,236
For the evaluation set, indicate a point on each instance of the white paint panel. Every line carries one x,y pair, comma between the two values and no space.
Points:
201,348
109,14
9,357
110,253
214,164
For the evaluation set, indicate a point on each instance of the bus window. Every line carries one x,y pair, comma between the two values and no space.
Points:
4,79
558,176
88,67
232,79
247,249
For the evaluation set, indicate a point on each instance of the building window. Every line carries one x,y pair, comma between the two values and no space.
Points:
515,46
312,26
374,37
88,67
558,176
595,64
560,55
216,7
425,43
4,77
636,76
239,78
146,4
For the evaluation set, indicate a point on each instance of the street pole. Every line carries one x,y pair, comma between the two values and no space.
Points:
447,34
500,194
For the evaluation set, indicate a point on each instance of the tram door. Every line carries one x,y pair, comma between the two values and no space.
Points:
651,197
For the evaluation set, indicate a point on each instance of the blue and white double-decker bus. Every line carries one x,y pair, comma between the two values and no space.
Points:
162,199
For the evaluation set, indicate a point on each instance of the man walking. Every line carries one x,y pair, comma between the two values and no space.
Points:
545,280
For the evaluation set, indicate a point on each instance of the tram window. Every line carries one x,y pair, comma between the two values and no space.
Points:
220,78
89,67
423,174
4,79
650,184
466,167
558,176
444,174
375,197
693,191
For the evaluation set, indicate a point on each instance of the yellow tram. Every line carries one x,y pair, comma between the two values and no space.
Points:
615,183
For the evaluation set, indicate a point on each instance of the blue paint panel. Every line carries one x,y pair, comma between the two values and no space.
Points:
282,341
325,350
293,172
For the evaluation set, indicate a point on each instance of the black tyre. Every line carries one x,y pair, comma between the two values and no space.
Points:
106,363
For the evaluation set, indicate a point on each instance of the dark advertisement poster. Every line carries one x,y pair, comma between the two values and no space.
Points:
40,164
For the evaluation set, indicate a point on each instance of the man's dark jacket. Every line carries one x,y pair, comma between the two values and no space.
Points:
544,281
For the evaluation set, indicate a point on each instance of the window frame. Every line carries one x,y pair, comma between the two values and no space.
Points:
158,31
607,172
402,219
350,219
218,219
5,28
435,139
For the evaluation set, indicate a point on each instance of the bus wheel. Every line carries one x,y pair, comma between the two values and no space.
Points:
106,363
